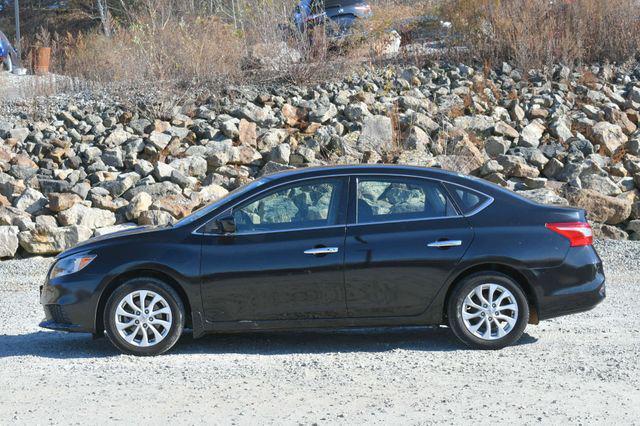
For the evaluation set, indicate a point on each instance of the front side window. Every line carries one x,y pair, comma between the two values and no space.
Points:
309,204
397,199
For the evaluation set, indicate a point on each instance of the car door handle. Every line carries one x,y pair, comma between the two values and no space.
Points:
445,244
321,250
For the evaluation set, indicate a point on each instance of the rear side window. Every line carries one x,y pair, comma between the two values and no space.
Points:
468,200
387,199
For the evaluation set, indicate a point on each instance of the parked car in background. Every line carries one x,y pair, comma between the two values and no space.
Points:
343,246
342,14
7,53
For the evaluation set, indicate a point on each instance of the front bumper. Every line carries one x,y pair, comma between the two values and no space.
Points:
70,303
577,285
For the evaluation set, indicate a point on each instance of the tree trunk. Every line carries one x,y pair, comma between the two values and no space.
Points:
105,16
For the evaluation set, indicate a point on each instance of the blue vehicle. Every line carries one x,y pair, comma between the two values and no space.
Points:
343,14
7,53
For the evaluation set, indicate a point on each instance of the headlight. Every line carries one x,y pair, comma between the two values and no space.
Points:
70,265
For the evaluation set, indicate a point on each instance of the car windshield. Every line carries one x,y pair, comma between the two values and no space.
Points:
211,207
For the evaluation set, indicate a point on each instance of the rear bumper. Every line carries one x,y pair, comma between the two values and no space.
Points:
577,285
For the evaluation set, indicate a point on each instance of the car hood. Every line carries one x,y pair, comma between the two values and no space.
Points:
96,242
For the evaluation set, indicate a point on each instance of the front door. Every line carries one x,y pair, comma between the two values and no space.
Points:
406,239
286,258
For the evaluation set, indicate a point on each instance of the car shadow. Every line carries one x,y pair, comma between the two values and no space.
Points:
57,345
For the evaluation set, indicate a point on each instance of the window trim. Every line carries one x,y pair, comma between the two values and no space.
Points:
475,211
437,182
353,177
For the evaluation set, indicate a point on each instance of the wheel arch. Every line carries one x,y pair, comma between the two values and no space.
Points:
120,279
507,270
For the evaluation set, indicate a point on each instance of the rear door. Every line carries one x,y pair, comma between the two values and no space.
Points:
406,238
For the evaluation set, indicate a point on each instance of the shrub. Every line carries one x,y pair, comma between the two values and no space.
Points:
534,33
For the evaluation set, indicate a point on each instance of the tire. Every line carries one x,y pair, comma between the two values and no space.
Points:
161,331
498,327
7,64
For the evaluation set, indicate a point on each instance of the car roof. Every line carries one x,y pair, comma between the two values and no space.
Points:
369,168
472,182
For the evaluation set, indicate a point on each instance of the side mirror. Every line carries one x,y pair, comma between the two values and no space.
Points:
227,225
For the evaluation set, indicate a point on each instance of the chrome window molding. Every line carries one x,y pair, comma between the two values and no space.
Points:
277,231
348,175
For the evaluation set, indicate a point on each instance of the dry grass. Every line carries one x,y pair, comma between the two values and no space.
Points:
189,44
198,51
535,33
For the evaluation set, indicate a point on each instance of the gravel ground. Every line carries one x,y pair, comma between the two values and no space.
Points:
581,369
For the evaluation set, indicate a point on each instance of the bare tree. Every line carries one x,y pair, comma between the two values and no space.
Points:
102,7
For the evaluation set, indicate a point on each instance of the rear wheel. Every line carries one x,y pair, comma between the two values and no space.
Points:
144,316
7,63
488,311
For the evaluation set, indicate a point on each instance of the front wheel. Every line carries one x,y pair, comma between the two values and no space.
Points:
488,311
144,316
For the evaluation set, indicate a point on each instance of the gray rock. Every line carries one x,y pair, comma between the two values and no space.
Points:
376,135
156,190
20,134
417,139
31,201
143,168
113,157
162,171
323,113
544,196
88,217
609,136
496,146
8,241
356,112
113,229
503,129
159,140
531,135
49,241
117,137
480,124
281,154
553,168
156,218
263,117
138,204
600,184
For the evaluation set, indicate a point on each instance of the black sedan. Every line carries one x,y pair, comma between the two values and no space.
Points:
348,246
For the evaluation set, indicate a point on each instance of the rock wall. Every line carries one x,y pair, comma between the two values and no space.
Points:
93,166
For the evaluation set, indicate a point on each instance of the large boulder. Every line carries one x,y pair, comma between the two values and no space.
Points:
376,135
138,204
177,206
544,196
609,136
59,202
479,124
13,216
8,241
600,208
89,217
31,201
531,135
49,241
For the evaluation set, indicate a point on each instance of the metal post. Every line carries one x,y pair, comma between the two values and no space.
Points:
16,6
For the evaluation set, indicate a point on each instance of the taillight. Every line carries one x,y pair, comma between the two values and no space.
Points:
578,233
